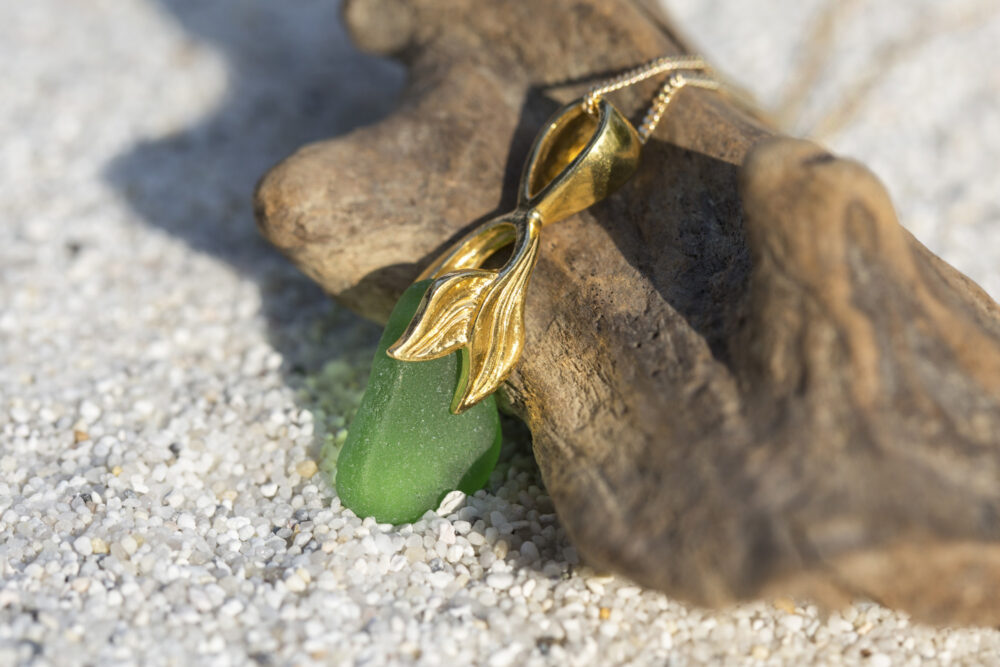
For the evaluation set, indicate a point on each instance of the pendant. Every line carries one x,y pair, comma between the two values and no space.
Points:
425,429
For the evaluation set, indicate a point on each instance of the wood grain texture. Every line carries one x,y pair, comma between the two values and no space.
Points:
742,376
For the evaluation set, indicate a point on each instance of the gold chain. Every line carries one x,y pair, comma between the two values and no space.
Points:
687,71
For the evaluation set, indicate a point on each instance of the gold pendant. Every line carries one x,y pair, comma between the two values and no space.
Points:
586,151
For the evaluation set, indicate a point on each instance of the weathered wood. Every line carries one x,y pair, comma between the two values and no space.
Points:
740,381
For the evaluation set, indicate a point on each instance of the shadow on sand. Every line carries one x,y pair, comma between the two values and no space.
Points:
293,78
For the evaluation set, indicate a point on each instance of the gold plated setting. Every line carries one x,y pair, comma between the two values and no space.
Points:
585,152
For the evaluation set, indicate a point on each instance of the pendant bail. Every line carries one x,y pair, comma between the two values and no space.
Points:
578,159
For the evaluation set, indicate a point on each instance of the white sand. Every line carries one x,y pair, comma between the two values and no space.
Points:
167,380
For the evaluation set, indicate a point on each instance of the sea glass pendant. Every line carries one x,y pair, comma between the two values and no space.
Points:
405,449
428,422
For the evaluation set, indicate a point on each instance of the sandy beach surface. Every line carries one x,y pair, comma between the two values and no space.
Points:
167,380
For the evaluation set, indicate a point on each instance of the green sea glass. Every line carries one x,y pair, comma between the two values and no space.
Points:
405,450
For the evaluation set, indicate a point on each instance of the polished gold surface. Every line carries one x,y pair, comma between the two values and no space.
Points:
583,154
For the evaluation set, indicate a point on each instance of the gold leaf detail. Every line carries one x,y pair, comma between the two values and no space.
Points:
496,337
444,317
479,312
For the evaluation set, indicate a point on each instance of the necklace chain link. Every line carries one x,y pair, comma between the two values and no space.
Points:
687,71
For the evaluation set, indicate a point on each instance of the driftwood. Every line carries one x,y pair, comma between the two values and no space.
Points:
741,380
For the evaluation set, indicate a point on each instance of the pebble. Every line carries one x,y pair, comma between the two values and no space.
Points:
500,580
306,469
446,533
879,660
498,520
83,545
451,502
455,553
232,607
295,583
89,412
793,622
785,604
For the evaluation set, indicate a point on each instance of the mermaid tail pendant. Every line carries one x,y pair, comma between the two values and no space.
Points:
580,157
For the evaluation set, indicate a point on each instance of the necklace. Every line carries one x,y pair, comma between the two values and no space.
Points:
418,433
